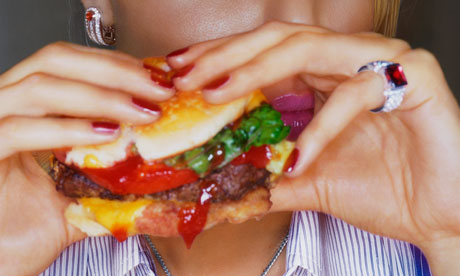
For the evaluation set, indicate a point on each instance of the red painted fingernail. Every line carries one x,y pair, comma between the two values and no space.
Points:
148,66
147,106
291,161
161,81
183,71
105,127
177,52
218,83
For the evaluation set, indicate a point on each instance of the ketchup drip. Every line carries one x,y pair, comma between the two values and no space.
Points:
192,219
259,157
120,233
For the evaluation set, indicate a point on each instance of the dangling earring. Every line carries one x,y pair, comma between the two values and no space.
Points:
99,34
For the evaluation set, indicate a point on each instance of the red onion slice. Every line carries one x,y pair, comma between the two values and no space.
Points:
297,121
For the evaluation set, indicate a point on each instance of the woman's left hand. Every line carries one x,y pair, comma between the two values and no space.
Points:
393,174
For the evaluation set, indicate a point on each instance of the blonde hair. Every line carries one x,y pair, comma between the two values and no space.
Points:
386,13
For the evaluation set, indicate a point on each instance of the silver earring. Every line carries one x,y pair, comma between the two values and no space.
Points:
96,32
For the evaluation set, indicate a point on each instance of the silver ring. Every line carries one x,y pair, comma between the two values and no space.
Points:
395,86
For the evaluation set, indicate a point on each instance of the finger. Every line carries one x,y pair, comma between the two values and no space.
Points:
42,94
361,93
316,54
235,52
182,57
19,134
114,70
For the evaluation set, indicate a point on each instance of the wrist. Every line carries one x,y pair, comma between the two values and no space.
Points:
443,255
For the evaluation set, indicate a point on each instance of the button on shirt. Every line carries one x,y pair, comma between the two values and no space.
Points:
318,245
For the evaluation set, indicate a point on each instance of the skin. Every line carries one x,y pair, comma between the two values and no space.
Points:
410,155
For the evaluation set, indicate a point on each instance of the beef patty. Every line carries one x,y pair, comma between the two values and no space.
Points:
232,182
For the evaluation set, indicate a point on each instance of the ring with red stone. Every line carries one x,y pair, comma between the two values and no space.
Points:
395,86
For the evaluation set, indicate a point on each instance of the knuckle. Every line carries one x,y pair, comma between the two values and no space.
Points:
399,44
37,78
31,91
428,68
7,131
57,48
426,58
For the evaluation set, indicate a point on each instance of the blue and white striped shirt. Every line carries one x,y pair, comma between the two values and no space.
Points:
318,245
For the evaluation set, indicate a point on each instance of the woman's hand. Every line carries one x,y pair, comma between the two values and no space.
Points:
393,174
64,95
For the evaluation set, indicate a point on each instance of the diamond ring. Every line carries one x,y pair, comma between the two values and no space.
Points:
395,86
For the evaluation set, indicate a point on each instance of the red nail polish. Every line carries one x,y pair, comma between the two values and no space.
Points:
218,83
146,106
183,71
291,161
162,81
105,127
177,52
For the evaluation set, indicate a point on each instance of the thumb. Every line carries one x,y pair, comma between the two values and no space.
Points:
293,194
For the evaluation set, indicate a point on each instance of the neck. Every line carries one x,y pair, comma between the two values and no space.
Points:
228,249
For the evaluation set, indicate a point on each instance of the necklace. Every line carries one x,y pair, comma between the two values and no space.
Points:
162,263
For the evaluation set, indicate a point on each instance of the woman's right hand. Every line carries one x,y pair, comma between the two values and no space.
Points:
64,95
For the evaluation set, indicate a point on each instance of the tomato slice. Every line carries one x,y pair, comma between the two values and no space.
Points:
259,157
61,154
134,176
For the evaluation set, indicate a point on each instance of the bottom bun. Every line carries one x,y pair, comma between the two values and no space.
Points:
160,218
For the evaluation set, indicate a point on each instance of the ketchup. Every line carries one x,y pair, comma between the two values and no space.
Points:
120,233
134,176
192,219
259,157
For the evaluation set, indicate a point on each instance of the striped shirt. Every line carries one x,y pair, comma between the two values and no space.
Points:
318,245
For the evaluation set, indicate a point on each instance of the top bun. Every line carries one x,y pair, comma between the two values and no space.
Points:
187,121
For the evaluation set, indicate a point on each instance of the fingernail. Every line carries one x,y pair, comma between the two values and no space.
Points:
183,71
218,83
146,106
177,52
148,66
162,81
291,161
105,127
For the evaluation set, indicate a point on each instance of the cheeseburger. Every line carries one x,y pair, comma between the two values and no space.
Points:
197,166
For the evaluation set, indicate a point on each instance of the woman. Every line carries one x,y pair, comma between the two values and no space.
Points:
392,174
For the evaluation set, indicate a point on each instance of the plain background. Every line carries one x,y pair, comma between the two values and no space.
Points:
28,25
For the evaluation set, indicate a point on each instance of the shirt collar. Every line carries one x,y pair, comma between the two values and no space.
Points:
136,256
304,250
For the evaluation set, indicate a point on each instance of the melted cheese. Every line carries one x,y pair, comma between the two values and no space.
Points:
114,214
91,161
257,98
280,153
